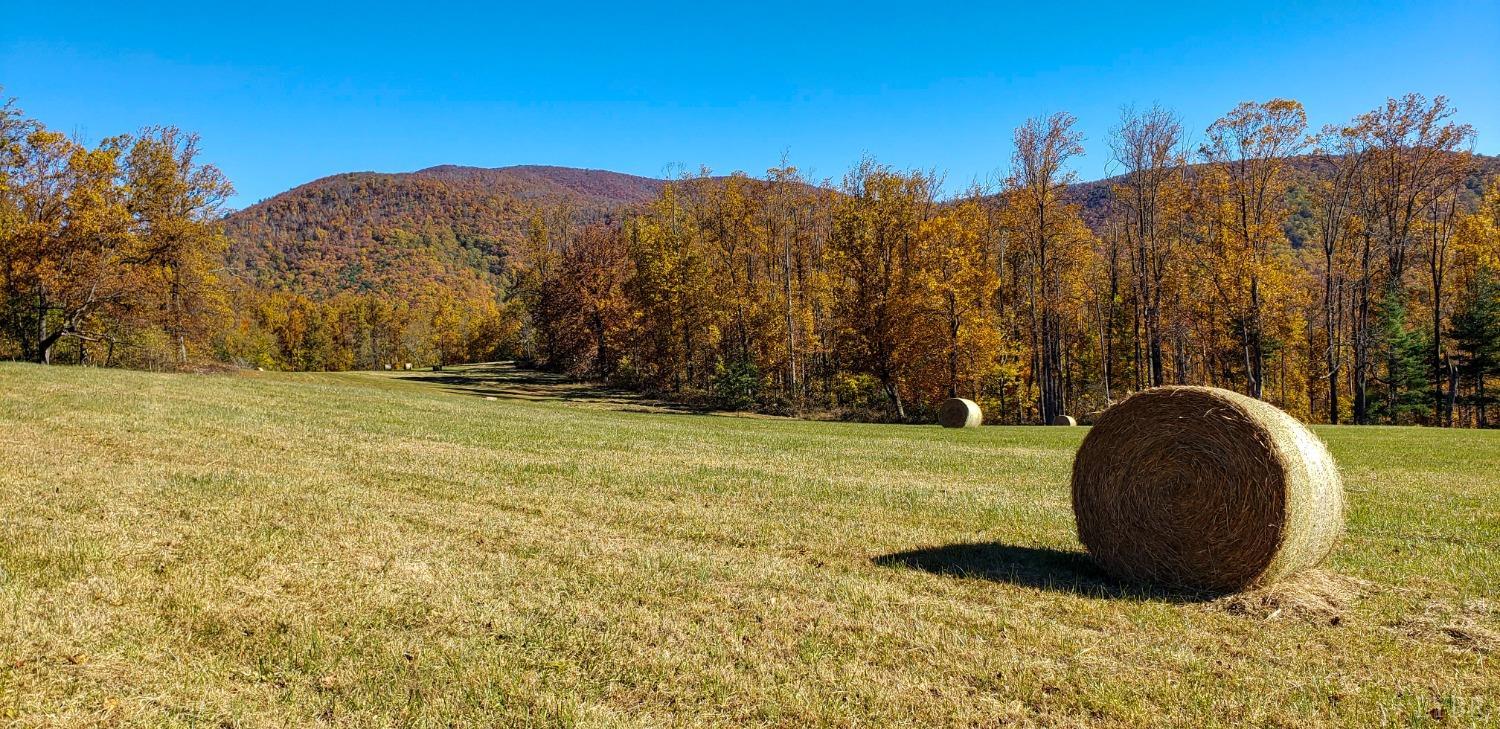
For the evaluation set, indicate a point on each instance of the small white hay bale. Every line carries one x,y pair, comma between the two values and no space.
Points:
1064,420
408,365
387,366
490,398
957,412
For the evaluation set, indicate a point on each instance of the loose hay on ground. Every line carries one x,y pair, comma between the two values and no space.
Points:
1470,625
1315,595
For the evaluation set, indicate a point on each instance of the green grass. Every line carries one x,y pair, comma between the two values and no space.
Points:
371,549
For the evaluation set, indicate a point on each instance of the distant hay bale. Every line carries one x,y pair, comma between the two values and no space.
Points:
491,398
1064,420
956,412
1206,489
408,365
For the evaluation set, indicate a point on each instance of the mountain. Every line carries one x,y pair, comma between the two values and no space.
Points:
396,233
543,182
1093,197
399,233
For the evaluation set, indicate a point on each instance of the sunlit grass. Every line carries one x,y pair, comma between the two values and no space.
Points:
285,549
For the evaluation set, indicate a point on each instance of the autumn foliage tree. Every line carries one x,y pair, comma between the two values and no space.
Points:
1047,244
1151,200
1355,283
1250,146
954,286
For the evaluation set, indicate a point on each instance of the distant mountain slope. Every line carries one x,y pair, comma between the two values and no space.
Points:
1094,196
527,182
368,231
398,233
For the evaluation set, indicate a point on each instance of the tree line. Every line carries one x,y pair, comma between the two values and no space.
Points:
103,246
114,255
1347,274
873,293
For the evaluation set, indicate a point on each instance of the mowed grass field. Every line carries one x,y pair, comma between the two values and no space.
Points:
360,549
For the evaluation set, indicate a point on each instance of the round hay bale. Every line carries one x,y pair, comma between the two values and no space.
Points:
1064,420
956,412
1206,489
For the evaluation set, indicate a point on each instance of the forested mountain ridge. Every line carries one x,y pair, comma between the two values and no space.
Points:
1360,283
391,232
1094,196
396,232
451,238
545,182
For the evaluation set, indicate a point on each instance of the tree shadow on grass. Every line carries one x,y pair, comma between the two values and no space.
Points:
507,381
1039,568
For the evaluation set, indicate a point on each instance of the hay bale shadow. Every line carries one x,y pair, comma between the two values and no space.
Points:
1039,568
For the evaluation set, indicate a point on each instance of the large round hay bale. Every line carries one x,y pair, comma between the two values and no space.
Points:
956,412
1064,420
1205,488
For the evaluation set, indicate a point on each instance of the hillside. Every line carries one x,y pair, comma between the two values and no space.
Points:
368,231
359,549
590,188
1094,196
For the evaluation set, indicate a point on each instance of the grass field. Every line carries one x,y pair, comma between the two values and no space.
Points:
361,549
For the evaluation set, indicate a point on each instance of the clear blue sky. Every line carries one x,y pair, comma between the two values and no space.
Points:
285,94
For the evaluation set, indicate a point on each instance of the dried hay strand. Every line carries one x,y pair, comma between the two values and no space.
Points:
1313,596
1205,489
1459,626
1064,420
956,412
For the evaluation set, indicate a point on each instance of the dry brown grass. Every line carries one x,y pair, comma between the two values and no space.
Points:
372,550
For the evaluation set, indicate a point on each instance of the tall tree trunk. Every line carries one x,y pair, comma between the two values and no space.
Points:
1438,373
43,348
1361,373
791,328
601,353
1331,353
1257,352
1452,390
953,323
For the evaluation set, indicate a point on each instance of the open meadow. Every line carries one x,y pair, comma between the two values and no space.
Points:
267,549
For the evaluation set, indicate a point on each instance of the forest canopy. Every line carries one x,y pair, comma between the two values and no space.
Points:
1345,274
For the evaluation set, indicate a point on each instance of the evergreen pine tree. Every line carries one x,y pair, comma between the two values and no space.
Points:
1403,383
1475,330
